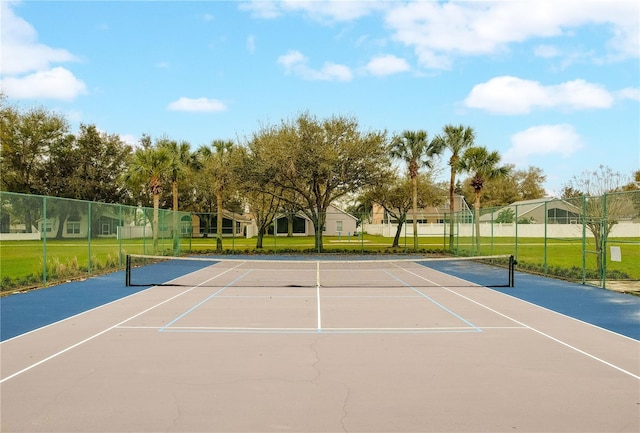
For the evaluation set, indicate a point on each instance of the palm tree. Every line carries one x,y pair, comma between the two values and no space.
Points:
216,162
483,166
413,148
149,166
179,162
456,139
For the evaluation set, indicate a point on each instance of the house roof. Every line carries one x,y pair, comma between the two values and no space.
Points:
331,209
525,207
335,208
228,215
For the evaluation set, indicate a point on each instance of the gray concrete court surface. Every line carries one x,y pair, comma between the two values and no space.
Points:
431,355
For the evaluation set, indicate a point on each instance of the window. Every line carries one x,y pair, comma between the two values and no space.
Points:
73,227
338,226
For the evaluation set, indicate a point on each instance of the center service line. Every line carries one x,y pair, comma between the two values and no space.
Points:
318,294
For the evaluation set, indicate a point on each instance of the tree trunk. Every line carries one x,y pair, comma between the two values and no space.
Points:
290,225
156,221
396,238
318,225
597,229
174,193
451,207
259,239
28,221
61,220
414,181
175,231
219,222
476,208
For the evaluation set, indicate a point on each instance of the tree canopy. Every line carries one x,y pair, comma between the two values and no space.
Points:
303,164
316,161
414,149
455,139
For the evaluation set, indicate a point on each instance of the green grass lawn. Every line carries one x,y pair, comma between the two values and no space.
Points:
21,262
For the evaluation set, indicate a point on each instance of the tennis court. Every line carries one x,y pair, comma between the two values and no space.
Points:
322,346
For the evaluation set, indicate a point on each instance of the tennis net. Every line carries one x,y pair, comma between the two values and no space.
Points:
489,271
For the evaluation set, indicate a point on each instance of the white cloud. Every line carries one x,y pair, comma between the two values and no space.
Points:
295,63
26,64
512,95
197,105
632,93
543,140
130,139
387,65
439,31
333,11
326,11
57,83
546,51
333,71
292,58
261,9
21,51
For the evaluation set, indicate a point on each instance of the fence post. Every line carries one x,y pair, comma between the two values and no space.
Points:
584,239
603,242
516,223
144,230
544,252
444,233
119,235
492,233
44,241
89,226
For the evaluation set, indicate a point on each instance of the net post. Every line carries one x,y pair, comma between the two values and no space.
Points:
127,273
512,264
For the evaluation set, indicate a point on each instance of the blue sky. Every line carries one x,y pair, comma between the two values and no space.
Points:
555,85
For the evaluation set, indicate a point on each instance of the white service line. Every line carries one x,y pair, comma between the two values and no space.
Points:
55,355
635,376
318,294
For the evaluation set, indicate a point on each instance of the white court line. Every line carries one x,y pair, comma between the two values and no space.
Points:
253,330
55,355
453,313
318,295
635,376
190,310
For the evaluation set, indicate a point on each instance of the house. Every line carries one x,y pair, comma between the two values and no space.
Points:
76,225
549,209
431,214
337,223
205,224
108,221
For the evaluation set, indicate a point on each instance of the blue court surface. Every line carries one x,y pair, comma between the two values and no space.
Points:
24,312
617,312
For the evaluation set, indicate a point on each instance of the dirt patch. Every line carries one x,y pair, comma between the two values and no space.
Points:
631,287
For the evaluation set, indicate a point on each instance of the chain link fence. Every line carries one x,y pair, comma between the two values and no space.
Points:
44,240
592,240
